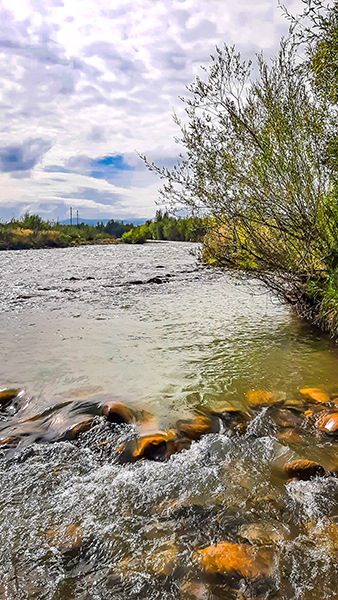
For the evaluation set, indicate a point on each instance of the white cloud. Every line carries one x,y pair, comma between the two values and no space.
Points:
93,78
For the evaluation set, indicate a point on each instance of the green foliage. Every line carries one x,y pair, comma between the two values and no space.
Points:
259,159
115,228
31,231
165,227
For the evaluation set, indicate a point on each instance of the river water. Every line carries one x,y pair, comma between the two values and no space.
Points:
151,327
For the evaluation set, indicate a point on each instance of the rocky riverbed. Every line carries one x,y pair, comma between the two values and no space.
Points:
167,432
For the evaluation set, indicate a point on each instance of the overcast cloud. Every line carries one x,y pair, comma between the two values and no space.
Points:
85,83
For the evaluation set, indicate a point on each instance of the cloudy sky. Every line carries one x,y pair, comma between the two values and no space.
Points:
86,83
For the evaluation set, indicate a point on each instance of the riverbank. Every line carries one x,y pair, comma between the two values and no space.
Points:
30,240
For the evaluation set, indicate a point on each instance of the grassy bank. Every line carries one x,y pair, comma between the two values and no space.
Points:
33,232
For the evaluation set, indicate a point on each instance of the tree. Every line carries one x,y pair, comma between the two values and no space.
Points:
254,160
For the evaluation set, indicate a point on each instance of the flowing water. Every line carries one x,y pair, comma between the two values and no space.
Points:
150,327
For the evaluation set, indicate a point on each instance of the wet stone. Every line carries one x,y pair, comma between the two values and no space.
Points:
232,418
258,398
303,470
194,429
289,436
7,396
158,446
328,423
76,430
68,540
118,413
193,590
315,394
242,559
263,533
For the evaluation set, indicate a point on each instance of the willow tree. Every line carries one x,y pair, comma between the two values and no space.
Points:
254,159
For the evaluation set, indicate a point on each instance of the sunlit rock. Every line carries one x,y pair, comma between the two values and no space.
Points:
247,561
261,398
303,470
328,423
67,539
315,394
157,446
118,413
194,429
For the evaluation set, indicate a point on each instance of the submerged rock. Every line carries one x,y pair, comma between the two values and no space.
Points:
227,558
303,470
261,398
67,540
263,533
118,413
157,280
315,394
193,590
7,396
193,429
324,534
328,423
163,561
232,418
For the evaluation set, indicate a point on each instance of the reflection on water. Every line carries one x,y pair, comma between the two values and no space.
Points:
76,331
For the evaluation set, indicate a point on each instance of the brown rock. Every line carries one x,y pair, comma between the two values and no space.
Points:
6,396
73,432
324,534
68,540
260,398
195,428
262,533
10,441
328,423
226,557
157,446
116,412
315,394
163,561
303,470
289,436
193,590
233,418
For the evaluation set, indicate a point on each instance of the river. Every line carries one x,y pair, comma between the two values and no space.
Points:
151,327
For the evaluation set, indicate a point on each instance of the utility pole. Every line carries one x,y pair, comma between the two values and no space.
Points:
71,215
77,218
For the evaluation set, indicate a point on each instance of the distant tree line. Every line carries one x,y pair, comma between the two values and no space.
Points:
31,231
166,227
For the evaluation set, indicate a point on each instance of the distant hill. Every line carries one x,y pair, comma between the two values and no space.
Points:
135,221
